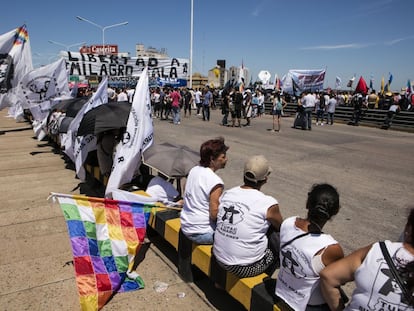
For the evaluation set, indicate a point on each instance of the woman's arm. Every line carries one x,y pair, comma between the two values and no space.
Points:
339,273
214,201
274,216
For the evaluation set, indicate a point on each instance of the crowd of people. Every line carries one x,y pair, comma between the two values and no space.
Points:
323,104
239,107
246,228
249,236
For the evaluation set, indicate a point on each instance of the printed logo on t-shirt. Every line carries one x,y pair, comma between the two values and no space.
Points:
292,263
390,296
231,215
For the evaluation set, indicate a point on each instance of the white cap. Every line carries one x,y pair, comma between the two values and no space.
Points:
256,168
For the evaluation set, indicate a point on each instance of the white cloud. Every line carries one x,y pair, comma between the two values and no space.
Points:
259,8
398,40
336,47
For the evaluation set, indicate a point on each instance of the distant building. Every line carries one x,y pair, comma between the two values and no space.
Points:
217,77
141,51
199,81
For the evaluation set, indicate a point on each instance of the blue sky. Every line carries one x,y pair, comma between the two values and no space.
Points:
362,37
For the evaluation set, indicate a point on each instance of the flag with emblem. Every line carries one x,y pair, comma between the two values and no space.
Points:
139,135
15,62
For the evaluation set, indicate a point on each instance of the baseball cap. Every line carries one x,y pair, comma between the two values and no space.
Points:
257,168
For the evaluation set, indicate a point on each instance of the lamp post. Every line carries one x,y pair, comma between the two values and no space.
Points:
67,47
103,28
191,44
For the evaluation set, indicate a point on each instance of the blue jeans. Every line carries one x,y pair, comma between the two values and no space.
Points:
330,118
206,112
176,115
308,117
319,115
202,238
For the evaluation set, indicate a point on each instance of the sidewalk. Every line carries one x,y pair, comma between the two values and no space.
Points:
35,262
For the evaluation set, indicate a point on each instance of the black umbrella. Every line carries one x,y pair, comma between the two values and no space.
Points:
64,125
110,116
71,106
171,160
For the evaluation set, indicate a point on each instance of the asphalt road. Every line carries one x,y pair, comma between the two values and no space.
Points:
371,168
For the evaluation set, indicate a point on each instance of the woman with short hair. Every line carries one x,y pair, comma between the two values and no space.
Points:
203,189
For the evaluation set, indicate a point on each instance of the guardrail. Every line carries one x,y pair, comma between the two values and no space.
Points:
403,121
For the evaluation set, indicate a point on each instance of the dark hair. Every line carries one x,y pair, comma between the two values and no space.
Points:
409,229
254,185
407,272
322,205
211,149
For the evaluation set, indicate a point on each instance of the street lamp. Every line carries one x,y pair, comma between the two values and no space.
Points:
67,47
103,28
191,44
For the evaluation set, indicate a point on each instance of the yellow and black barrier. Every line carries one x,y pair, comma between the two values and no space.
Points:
254,293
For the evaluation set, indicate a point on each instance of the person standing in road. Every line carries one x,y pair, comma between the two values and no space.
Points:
225,106
175,106
320,108
207,102
188,101
238,106
248,107
330,109
197,99
308,103
260,103
277,110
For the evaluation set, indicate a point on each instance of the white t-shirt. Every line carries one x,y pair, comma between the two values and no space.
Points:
309,101
111,93
195,215
130,93
197,97
161,190
297,282
375,285
240,237
122,97
394,108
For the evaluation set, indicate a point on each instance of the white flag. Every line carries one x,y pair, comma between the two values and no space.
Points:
83,145
138,137
122,195
338,82
39,88
98,98
44,84
15,62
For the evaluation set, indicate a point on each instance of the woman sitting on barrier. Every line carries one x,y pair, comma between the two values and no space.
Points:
246,241
203,189
305,250
381,283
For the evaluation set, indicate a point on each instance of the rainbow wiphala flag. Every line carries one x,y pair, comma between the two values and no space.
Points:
105,236
21,35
